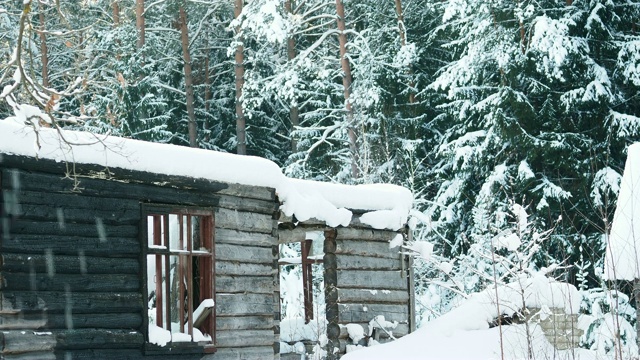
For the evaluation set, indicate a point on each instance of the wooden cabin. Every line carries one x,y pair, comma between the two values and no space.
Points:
117,249
365,282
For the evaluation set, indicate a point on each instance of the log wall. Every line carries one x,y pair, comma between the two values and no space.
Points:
371,280
72,265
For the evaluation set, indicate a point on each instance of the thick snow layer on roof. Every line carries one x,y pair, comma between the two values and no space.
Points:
622,260
389,204
304,199
468,325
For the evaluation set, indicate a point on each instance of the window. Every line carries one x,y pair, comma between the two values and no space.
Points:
305,259
180,277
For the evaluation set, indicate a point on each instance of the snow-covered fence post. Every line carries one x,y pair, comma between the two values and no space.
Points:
331,293
622,260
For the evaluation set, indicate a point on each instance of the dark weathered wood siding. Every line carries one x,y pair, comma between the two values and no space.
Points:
72,266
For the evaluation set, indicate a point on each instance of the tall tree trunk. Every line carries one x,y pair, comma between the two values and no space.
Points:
207,87
140,22
188,77
44,51
346,83
116,22
294,112
241,131
403,42
116,12
523,39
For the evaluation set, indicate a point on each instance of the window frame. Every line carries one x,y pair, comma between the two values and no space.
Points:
306,265
207,233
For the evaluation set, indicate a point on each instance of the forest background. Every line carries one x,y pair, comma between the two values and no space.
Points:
485,110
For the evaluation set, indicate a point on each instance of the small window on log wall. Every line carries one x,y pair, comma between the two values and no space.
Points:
180,277
311,253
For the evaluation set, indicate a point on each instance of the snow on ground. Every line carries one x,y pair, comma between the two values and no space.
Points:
464,333
622,260
295,329
389,204
426,344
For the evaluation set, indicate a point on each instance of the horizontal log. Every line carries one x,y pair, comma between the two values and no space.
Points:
43,320
289,356
363,313
245,338
366,248
365,234
48,176
98,339
368,296
40,355
77,303
68,264
120,215
76,283
399,331
248,254
77,208
267,207
286,236
264,322
176,353
369,279
209,201
244,304
246,284
20,342
355,262
97,229
238,268
245,221
253,353
228,236
70,245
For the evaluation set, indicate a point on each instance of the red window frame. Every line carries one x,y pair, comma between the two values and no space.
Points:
307,277
160,246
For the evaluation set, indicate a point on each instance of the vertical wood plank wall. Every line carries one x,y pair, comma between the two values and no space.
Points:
71,270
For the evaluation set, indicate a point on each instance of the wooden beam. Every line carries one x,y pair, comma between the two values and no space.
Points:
81,303
244,254
286,236
361,313
243,304
65,264
49,176
237,268
76,282
331,292
250,322
69,245
245,338
373,279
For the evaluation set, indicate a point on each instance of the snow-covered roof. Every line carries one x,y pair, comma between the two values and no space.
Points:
388,205
622,260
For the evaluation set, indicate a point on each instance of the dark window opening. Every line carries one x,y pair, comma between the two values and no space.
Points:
180,277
